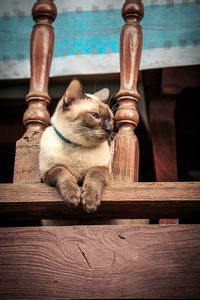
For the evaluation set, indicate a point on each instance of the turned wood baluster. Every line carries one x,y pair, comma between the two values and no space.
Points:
126,153
36,117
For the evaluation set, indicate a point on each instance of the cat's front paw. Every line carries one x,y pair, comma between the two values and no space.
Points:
91,198
71,193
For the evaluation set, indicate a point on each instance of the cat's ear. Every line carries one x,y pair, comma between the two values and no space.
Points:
73,92
103,95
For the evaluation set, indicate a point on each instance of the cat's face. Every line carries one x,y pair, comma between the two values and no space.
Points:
90,120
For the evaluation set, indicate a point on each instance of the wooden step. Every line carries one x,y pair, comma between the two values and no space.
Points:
100,262
138,200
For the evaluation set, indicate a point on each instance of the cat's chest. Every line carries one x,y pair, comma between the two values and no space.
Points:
86,156
80,159
54,152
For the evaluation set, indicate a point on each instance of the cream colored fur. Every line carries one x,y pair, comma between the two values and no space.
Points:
54,151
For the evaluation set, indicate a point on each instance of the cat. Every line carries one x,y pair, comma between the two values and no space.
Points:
74,150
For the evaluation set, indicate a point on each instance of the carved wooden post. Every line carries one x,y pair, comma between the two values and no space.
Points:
36,117
126,154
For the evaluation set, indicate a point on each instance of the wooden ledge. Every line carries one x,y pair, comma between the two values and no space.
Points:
137,200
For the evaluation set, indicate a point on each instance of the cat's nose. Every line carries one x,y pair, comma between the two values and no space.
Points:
108,128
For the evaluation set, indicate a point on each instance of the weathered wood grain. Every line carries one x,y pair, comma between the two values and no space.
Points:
96,262
36,117
126,148
136,200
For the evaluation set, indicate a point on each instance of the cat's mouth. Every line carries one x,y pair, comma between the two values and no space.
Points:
99,137
94,136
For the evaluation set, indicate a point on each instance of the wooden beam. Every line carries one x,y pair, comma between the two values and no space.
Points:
188,77
136,200
100,262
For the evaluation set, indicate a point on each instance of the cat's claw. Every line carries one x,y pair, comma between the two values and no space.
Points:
90,199
71,194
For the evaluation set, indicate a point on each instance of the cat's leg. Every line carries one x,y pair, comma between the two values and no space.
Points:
65,182
95,180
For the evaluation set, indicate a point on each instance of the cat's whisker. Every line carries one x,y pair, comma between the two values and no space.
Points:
111,97
95,85
114,107
113,134
115,104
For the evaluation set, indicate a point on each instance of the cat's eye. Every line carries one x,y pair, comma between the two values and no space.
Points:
95,115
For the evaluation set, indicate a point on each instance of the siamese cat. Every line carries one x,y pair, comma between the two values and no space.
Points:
74,150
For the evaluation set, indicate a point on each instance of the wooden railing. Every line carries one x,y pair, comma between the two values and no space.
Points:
36,117
137,200
126,152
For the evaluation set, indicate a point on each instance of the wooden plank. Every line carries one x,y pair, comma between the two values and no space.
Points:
95,262
136,200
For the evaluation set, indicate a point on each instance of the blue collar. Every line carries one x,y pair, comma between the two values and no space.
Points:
64,138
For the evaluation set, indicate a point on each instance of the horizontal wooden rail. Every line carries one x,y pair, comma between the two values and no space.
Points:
100,262
136,200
